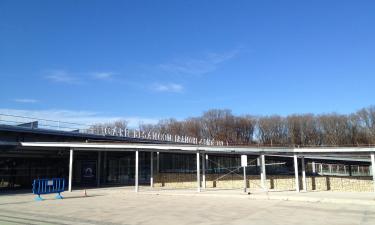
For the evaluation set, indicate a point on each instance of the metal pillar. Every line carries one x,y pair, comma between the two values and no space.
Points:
70,170
373,168
204,171
263,171
136,170
198,174
152,169
296,172
321,168
313,168
206,168
157,162
98,169
244,179
304,183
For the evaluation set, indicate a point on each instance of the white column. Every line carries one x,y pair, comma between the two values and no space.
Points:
321,168
244,179
198,174
70,170
373,168
98,169
313,167
303,174
263,175
152,170
296,172
204,171
157,162
136,170
206,161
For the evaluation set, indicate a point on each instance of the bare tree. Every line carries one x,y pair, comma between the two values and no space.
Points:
335,129
272,130
298,130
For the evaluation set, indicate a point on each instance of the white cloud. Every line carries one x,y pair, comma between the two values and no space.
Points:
25,100
80,118
170,87
206,64
134,122
61,76
103,75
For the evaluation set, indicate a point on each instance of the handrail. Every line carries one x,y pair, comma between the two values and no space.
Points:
34,118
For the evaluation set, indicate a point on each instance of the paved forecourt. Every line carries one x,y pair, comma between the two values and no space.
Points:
123,206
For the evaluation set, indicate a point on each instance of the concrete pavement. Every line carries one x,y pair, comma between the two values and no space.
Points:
123,206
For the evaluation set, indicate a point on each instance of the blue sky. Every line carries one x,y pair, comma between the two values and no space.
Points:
147,60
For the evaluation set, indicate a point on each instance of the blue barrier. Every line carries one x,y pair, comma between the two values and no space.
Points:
48,186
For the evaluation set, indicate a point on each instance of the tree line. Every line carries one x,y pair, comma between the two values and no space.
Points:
356,129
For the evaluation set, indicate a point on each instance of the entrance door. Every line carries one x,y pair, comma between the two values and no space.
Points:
120,169
88,172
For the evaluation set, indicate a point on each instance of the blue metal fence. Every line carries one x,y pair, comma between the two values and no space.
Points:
48,186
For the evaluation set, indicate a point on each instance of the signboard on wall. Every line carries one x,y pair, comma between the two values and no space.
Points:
88,171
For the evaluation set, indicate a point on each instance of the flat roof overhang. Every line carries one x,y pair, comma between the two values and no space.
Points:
172,148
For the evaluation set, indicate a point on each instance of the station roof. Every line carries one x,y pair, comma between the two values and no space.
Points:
173,148
71,134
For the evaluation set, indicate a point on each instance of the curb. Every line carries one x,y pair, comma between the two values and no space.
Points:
270,197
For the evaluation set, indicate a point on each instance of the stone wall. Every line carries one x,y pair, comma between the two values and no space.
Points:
279,182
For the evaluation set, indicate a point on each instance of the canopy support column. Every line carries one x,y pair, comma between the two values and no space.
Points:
157,162
136,170
304,183
70,170
204,171
152,170
198,173
296,172
244,179
373,168
263,171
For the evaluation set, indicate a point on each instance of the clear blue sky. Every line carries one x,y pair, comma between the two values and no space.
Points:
145,60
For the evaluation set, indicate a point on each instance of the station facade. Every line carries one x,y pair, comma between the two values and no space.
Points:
87,160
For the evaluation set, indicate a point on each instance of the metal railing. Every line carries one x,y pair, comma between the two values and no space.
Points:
337,169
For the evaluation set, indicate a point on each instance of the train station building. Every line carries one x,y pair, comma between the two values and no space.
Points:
91,160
